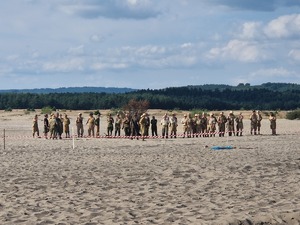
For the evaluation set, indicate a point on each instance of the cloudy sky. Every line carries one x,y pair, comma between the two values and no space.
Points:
148,43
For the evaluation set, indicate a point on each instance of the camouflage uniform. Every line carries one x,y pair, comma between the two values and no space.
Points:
67,122
143,124
118,123
203,125
46,126
52,127
211,127
221,122
259,119
126,125
79,125
230,124
165,122
173,125
97,125
239,125
110,125
91,125
253,122
196,125
35,127
272,120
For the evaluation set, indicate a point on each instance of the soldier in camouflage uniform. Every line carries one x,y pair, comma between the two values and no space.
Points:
222,120
253,123
203,125
239,124
211,125
230,124
173,125
272,120
259,119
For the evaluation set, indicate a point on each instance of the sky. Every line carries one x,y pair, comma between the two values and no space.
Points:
145,44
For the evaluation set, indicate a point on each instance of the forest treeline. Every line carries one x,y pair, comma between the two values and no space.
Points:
269,96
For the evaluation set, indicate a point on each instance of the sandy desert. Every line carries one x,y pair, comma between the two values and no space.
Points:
156,181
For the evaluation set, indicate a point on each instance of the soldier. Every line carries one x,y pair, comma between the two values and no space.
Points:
97,125
126,125
46,126
118,123
79,125
173,125
259,119
165,122
110,125
239,124
52,127
147,124
143,124
186,125
35,126
91,125
222,120
153,126
134,126
196,125
59,125
212,123
230,123
203,125
253,122
272,120
67,122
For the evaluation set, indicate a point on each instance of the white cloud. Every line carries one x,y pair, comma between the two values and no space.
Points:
250,30
238,50
273,73
287,26
295,54
66,65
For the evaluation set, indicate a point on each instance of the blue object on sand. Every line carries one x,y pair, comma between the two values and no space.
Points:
221,147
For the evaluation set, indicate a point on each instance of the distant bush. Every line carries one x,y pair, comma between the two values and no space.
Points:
292,115
47,110
8,109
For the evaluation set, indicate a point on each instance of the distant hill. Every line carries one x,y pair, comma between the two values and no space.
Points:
108,90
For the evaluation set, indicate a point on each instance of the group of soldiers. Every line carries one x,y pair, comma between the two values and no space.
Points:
139,126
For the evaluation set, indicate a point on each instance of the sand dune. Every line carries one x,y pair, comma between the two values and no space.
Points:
157,181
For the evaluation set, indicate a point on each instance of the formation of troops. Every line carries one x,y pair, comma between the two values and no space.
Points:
139,126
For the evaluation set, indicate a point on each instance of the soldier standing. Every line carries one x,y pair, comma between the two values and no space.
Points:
259,119
52,127
222,120
91,125
165,125
186,125
212,123
118,123
126,125
59,125
253,122
110,125
272,120
67,126
173,125
97,125
35,126
143,124
134,126
196,125
203,125
79,125
239,124
46,126
230,120
153,126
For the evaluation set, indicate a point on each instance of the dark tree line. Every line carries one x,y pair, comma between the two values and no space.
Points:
265,97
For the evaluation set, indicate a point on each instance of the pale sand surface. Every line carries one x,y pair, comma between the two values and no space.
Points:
157,181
